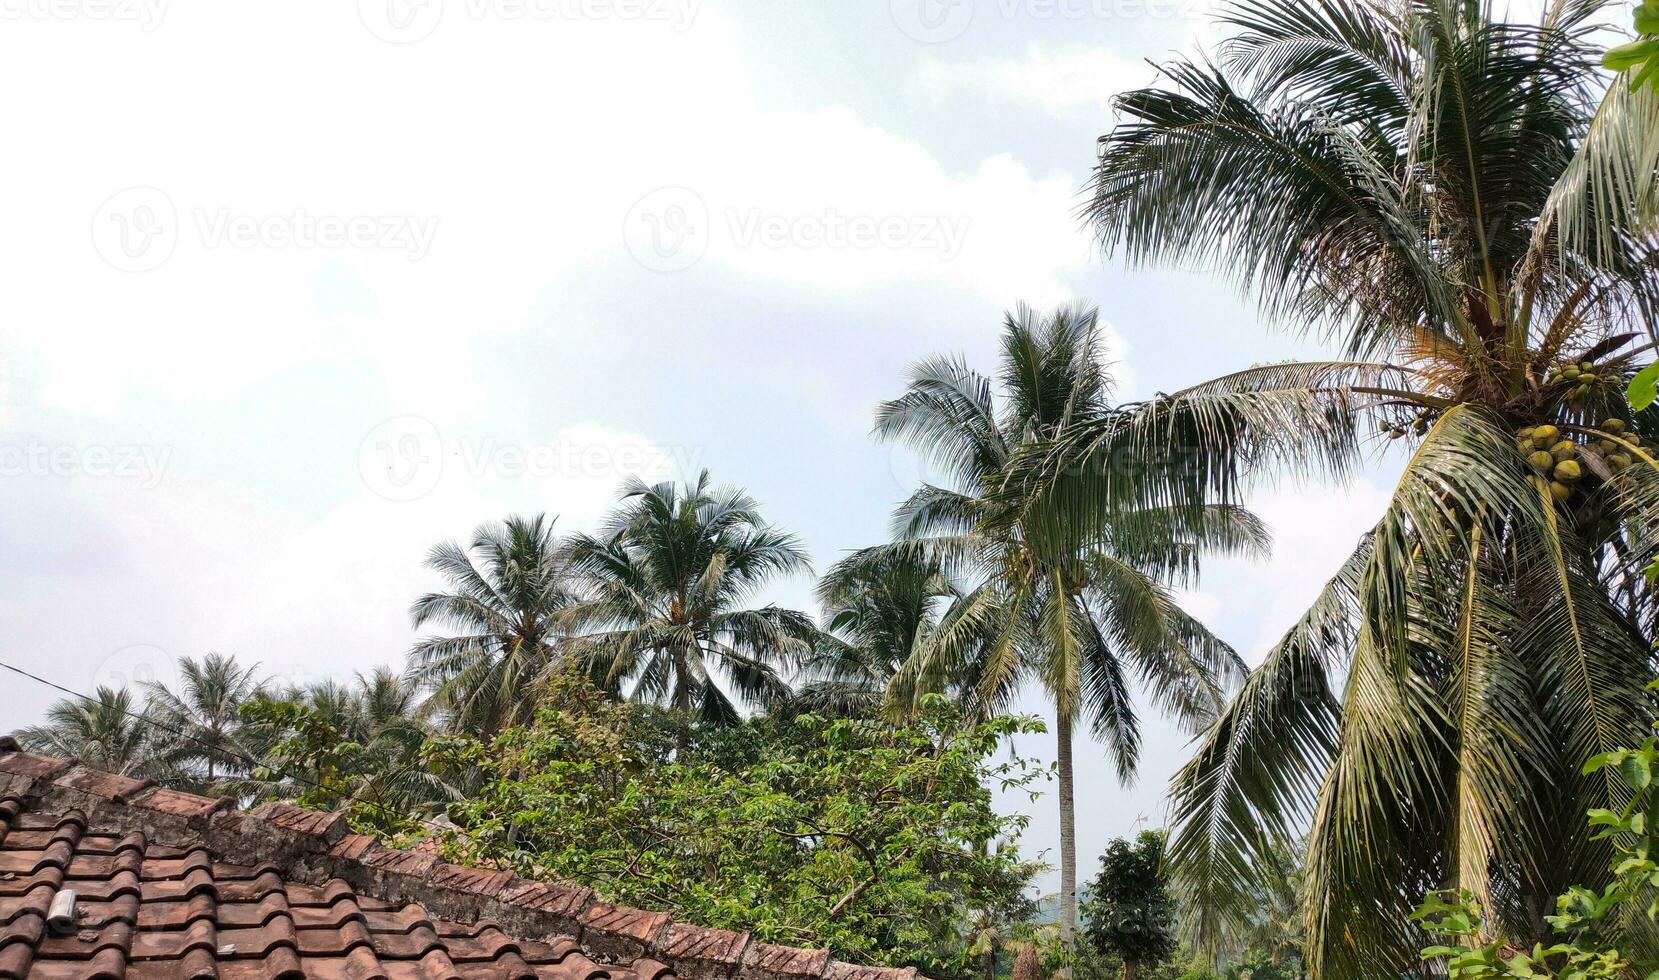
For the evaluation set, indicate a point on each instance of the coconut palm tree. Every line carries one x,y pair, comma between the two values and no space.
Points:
206,712
505,596
1079,619
109,731
667,583
1383,174
881,607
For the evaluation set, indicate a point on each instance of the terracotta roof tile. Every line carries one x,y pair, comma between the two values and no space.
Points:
105,785
180,804
171,885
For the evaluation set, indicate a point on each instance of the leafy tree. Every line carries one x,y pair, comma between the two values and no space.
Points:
1389,177
1079,619
205,711
109,731
876,841
506,596
354,747
666,585
1130,913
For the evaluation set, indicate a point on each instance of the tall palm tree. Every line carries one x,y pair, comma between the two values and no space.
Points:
109,731
668,582
206,710
505,597
1078,619
1384,174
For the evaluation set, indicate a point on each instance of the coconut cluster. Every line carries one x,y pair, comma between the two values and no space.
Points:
1561,460
1419,424
1579,377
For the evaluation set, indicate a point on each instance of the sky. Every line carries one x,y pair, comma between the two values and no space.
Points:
294,292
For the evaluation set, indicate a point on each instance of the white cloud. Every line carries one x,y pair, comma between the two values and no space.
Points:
516,191
1059,82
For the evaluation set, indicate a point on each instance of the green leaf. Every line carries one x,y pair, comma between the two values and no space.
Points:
1628,55
1644,387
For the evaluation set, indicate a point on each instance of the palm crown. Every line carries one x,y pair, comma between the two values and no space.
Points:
667,585
504,602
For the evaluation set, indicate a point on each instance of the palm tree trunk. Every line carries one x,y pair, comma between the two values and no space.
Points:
1068,828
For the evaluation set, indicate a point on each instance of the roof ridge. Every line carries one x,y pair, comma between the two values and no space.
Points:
316,846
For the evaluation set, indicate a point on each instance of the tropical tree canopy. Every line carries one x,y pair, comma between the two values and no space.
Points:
1391,176
877,840
505,596
111,731
880,608
201,718
665,611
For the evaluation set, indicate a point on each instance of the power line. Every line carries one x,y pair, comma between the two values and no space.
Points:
251,763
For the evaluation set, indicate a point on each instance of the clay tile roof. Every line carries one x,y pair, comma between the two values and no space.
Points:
173,885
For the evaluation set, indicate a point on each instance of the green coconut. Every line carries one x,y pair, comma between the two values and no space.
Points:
1541,461
1619,461
1545,435
1568,471
1560,491
1564,449
1613,425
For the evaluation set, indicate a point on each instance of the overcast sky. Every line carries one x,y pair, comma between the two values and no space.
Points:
294,291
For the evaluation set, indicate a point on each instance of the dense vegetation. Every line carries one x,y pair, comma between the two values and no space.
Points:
1463,209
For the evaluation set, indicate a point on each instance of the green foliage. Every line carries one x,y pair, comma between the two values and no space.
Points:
110,731
1592,928
1130,913
876,841
312,762
1640,58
